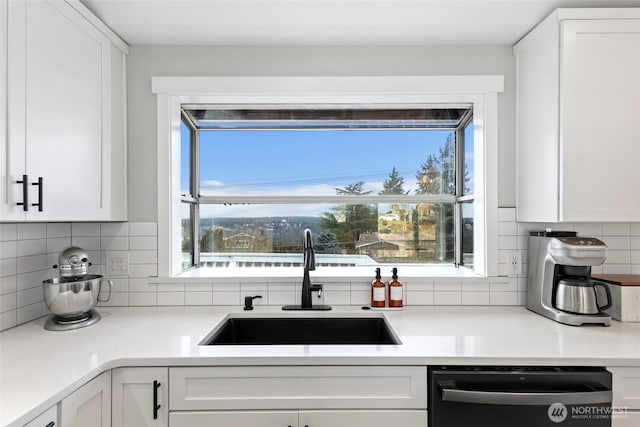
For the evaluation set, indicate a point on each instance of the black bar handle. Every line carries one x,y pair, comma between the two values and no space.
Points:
25,193
156,385
51,424
39,184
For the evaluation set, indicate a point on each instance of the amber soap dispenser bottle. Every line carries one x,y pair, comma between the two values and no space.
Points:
395,290
378,289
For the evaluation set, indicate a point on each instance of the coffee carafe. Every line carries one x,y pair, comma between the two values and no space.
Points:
559,283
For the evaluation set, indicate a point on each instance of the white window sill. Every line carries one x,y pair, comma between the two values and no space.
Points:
445,273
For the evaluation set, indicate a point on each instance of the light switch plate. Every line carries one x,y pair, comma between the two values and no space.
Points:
117,263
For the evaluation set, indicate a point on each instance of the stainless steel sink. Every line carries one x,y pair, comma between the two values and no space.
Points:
302,330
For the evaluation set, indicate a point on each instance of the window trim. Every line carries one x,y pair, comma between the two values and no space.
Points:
480,91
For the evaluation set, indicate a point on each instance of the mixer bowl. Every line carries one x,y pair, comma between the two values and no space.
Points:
65,297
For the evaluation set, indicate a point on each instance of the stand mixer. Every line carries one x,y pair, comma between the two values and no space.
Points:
559,283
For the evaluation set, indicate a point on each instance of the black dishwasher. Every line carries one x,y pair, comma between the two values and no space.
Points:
493,396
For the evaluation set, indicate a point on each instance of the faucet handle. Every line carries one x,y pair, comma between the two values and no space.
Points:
316,287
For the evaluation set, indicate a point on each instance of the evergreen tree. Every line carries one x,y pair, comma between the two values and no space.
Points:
327,243
394,184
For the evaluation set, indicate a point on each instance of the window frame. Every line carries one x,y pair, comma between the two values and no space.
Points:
480,91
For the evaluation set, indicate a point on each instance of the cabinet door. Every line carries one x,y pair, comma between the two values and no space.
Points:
12,99
67,112
235,419
90,405
140,397
599,144
352,418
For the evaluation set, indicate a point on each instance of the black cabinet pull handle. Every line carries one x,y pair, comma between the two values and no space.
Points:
156,385
39,184
25,193
51,424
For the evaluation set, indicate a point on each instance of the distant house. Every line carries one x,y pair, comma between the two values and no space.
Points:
241,242
368,242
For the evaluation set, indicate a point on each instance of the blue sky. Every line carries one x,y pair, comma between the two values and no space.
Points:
310,162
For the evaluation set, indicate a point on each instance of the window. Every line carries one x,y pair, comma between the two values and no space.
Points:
374,184
382,169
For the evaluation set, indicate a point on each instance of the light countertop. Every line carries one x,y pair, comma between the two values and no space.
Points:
39,367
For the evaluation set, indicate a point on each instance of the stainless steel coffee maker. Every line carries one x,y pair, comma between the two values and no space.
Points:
559,283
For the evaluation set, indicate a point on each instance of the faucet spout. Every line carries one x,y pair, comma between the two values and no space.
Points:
309,265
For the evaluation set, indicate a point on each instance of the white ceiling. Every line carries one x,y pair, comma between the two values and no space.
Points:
329,22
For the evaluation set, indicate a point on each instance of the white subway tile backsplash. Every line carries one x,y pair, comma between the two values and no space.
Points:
447,286
142,299
503,298
8,302
8,319
29,296
447,298
88,243
202,298
31,312
140,243
617,242
28,264
476,298
8,284
32,279
143,270
616,229
32,247
141,285
170,287
58,229
358,297
9,249
170,298
32,231
118,299
114,243
143,229
226,297
8,267
119,229
8,232
27,252
335,297
80,229
419,297
143,257
55,245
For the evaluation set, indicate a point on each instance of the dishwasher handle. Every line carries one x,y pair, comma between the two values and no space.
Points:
450,393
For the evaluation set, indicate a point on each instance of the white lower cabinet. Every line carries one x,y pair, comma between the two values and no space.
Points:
140,397
90,405
626,396
324,418
48,418
298,396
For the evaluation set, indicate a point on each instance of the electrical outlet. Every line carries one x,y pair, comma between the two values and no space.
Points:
117,263
515,264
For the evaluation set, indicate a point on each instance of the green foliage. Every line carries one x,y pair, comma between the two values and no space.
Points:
394,184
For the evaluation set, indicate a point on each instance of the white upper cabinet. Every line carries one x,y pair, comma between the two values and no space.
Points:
577,138
66,109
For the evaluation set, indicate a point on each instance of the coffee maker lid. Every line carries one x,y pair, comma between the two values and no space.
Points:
549,233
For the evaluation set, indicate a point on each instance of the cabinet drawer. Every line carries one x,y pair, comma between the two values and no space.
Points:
626,387
48,418
234,419
300,387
